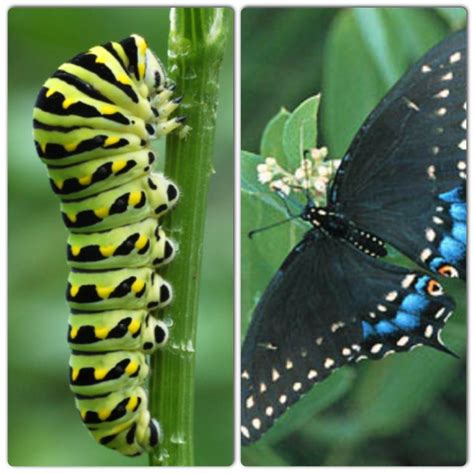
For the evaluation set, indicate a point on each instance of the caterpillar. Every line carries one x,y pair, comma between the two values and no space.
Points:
93,122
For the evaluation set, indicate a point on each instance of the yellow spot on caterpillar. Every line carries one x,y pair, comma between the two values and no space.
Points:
74,291
43,147
104,291
73,332
74,374
141,242
141,69
85,180
111,141
100,374
83,414
107,250
142,46
103,414
118,166
108,109
134,326
132,367
70,146
132,403
102,212
138,286
58,183
71,216
50,92
68,102
101,333
75,250
134,198
123,78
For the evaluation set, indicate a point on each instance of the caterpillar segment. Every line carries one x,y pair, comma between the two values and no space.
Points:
93,122
143,244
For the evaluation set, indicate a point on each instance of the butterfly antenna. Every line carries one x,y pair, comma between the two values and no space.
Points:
271,226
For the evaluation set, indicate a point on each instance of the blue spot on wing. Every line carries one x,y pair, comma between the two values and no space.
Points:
367,330
406,321
459,231
414,303
458,211
385,328
455,195
452,250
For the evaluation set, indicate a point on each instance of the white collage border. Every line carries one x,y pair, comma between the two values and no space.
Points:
237,5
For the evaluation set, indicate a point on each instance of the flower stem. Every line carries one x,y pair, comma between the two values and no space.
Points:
195,50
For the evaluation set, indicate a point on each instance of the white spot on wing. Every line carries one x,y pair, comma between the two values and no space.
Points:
455,57
408,280
462,145
297,386
425,254
256,423
249,403
283,399
312,374
442,94
430,234
244,430
392,296
275,375
403,341
328,363
376,348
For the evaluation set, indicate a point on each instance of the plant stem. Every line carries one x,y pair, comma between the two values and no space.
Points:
196,46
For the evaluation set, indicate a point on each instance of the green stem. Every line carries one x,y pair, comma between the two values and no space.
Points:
196,47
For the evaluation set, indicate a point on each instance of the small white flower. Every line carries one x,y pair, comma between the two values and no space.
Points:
270,162
265,177
279,185
320,185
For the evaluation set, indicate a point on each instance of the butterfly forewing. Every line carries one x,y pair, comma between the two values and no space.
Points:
403,177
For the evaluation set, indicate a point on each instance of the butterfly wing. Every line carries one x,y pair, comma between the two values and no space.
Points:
403,177
330,304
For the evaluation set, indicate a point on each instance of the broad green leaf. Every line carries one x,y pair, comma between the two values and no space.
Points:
272,138
300,131
264,253
456,17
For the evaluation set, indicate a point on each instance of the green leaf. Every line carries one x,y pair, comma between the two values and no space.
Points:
455,17
300,131
272,138
265,252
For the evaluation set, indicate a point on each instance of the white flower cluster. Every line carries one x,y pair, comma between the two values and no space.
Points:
313,174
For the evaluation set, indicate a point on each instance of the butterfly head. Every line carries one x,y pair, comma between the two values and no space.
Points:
314,214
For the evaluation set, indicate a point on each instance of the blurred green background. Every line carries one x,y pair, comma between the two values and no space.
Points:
409,409
44,428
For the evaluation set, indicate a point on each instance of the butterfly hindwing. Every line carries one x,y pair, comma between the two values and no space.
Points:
403,177
328,305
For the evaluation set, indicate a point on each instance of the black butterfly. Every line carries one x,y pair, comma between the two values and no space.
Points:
333,301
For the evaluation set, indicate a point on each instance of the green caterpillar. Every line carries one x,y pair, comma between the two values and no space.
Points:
93,122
